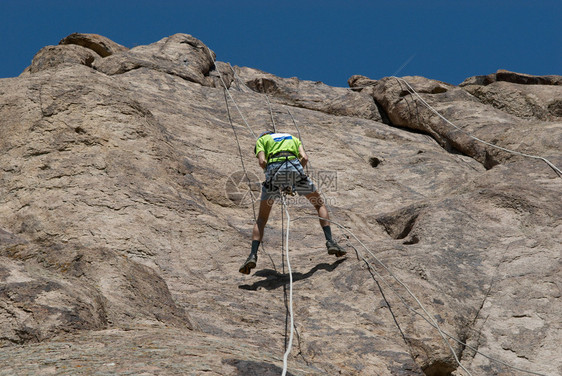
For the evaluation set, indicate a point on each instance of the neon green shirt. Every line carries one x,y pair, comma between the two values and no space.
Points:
274,143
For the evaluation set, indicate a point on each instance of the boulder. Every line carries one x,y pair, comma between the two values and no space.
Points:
99,44
180,54
458,120
311,95
358,82
522,95
527,79
514,78
540,102
55,56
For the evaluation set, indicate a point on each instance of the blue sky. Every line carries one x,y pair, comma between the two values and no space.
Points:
326,41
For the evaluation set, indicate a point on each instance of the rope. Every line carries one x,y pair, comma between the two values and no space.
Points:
295,123
271,113
240,154
410,308
288,350
243,166
299,133
228,91
286,241
429,320
412,91
410,293
237,77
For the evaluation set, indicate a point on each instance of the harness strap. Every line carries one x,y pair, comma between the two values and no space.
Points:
269,182
285,153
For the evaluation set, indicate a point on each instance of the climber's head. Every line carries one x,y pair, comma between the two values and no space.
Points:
260,136
264,133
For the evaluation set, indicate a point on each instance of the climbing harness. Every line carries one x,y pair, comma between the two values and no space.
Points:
286,180
284,153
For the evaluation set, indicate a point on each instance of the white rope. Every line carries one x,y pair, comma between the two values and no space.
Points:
271,113
228,91
300,138
285,208
429,318
290,287
240,154
412,91
237,77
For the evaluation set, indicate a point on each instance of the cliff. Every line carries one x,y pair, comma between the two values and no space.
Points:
125,214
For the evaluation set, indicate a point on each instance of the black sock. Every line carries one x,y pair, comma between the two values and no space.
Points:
327,232
255,246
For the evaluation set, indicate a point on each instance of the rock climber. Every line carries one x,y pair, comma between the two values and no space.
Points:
282,157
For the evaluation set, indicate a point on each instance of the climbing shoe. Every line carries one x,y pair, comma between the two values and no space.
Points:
335,249
249,264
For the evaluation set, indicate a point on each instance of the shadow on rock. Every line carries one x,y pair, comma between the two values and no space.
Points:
251,368
274,279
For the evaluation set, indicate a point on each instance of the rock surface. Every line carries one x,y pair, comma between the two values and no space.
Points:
125,214
53,56
180,55
99,44
531,97
307,94
468,120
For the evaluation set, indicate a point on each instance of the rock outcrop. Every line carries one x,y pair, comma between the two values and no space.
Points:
101,45
180,55
522,95
125,214
307,94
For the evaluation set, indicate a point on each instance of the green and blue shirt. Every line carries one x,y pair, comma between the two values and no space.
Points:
274,143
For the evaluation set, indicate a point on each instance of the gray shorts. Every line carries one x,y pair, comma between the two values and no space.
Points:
285,174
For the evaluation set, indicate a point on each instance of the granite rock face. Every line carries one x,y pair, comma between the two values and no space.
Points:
180,55
101,45
307,94
125,214
465,120
525,96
